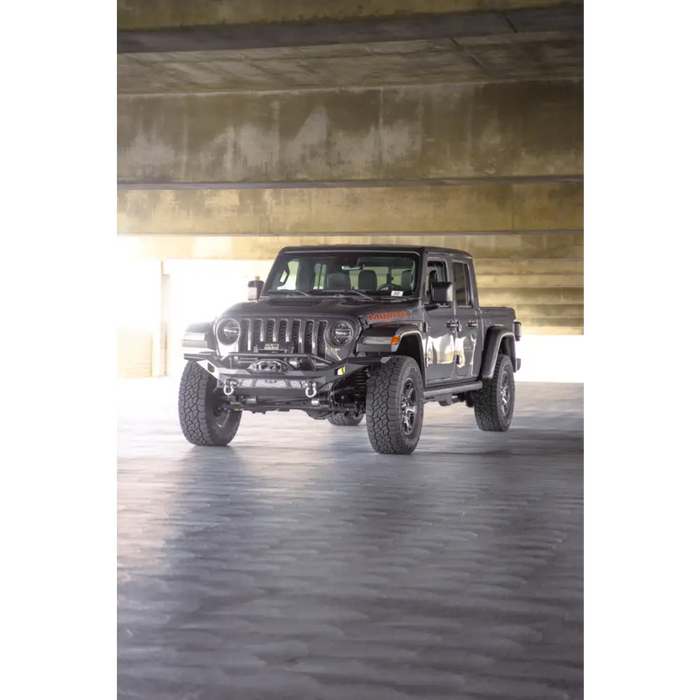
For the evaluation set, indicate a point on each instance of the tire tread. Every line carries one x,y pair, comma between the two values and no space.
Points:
486,409
383,418
192,409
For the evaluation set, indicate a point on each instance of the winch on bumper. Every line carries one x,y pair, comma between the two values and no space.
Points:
274,380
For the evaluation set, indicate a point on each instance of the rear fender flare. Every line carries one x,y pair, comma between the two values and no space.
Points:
497,337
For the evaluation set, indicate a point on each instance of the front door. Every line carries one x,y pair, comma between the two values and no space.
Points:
468,329
440,336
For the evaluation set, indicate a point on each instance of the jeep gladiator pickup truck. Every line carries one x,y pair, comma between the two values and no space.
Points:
347,333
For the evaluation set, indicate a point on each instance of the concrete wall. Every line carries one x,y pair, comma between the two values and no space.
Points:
138,310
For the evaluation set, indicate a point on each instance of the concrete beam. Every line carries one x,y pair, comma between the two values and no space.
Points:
439,131
376,210
532,311
562,327
546,281
542,247
525,295
157,14
554,266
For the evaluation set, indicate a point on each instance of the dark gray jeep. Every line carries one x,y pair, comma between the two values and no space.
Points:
343,332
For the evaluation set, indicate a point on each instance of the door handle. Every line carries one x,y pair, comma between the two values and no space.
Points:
472,324
454,325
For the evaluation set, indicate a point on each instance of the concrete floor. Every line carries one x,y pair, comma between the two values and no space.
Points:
299,564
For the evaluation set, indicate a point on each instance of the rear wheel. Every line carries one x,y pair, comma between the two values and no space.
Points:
494,404
346,418
395,406
205,418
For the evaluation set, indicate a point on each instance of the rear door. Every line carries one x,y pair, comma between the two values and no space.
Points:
440,336
468,340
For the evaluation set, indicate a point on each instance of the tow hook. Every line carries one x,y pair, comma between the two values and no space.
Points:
230,387
311,389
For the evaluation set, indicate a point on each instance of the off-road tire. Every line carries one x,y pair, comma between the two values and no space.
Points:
385,389
488,408
346,418
198,403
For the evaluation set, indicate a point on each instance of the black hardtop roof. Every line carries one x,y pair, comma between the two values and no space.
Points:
393,248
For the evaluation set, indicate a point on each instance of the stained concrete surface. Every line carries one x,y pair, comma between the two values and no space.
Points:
299,564
139,15
518,129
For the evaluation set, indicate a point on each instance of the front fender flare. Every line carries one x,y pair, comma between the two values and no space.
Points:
386,337
198,340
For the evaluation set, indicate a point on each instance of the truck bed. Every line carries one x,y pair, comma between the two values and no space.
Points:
498,316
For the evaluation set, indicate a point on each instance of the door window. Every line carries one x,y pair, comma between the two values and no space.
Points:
461,278
436,272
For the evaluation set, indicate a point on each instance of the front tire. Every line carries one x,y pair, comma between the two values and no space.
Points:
203,419
395,406
344,419
494,404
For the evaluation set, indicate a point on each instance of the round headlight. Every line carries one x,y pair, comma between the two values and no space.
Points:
229,331
341,333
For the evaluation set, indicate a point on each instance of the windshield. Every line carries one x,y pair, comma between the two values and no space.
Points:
353,273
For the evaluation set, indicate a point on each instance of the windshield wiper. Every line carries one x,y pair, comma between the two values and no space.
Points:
288,291
342,292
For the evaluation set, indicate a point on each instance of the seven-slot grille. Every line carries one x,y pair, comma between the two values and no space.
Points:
306,335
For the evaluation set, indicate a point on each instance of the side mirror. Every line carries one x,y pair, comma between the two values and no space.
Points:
441,293
254,289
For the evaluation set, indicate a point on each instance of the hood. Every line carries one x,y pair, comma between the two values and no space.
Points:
353,309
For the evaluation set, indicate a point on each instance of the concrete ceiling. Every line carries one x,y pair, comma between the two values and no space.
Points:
449,60
522,44
178,14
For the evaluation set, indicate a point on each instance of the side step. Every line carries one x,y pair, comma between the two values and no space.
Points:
446,391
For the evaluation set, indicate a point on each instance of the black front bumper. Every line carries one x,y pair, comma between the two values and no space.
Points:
283,386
